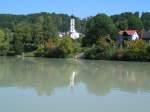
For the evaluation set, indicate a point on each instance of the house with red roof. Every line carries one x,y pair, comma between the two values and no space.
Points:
129,35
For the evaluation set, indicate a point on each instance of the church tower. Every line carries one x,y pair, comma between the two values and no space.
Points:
73,33
72,25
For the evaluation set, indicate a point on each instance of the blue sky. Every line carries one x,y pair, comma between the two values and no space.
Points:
80,8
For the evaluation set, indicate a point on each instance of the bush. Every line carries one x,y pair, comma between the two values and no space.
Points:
140,44
66,47
102,50
136,54
91,54
119,54
148,52
11,53
136,51
40,52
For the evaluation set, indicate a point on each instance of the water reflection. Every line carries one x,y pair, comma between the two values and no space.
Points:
72,80
99,77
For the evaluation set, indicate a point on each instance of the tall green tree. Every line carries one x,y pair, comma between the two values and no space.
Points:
135,23
123,25
97,27
146,20
4,43
128,20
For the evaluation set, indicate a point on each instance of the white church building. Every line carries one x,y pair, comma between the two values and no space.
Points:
72,33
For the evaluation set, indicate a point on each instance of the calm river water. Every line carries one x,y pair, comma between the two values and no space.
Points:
57,85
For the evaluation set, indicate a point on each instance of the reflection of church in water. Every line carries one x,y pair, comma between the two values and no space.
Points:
72,80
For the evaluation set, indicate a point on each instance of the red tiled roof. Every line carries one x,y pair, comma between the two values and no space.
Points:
128,32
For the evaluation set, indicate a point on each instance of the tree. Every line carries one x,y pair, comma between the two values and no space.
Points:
44,29
102,50
128,20
146,20
4,43
135,23
137,14
22,36
123,25
24,30
66,47
99,26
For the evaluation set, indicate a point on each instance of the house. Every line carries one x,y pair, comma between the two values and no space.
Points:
146,37
62,34
128,35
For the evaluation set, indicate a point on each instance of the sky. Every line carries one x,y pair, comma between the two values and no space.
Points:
80,8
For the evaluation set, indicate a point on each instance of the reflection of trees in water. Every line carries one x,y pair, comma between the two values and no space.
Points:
127,76
40,74
45,75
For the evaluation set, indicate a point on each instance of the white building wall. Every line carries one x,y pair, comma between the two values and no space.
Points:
73,33
135,36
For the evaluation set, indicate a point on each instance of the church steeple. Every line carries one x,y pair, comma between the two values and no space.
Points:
72,25
73,33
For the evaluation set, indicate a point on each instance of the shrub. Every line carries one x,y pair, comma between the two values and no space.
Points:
66,47
140,44
148,52
102,50
119,54
136,54
40,51
135,51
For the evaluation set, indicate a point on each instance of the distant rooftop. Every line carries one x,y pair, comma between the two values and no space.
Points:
128,32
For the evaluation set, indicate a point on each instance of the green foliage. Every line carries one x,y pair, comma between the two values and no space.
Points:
119,54
58,48
135,23
122,25
40,52
18,46
99,26
102,50
139,44
38,34
4,43
148,52
52,50
146,20
134,50
135,55
27,32
66,47
128,20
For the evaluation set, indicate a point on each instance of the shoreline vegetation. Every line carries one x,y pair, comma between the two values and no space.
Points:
36,35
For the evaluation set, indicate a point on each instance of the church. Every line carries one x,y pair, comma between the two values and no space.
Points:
72,33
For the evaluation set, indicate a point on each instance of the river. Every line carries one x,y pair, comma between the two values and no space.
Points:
66,85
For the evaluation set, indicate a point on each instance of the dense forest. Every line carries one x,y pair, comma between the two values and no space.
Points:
38,33
25,31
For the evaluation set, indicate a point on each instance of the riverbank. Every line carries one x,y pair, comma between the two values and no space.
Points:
77,57
104,49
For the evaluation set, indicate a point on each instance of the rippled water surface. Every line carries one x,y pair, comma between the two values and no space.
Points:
57,85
